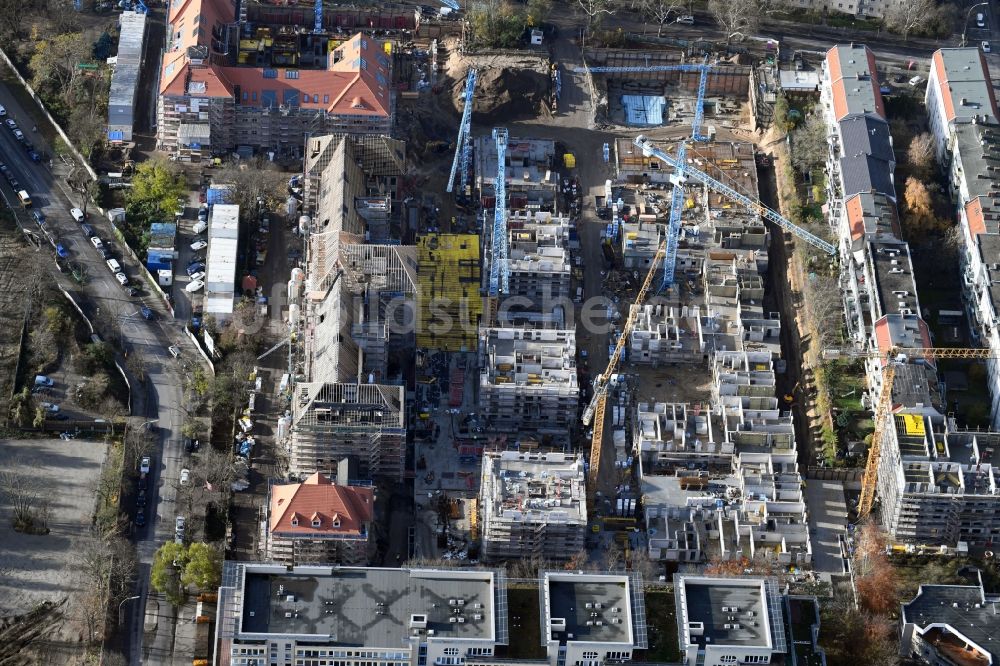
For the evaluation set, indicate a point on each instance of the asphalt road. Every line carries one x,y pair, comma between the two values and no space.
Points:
104,300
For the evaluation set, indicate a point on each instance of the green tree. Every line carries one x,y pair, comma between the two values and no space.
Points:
157,185
204,567
39,419
168,562
538,12
54,64
96,356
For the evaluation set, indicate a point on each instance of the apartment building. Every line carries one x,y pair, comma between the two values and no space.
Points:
334,420
959,92
939,484
528,381
539,261
963,113
744,620
592,618
532,505
532,179
319,522
312,615
951,625
227,82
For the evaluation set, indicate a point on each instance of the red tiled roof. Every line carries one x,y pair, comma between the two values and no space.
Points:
944,85
317,498
883,333
974,214
838,83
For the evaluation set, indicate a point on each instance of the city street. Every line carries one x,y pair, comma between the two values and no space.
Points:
104,300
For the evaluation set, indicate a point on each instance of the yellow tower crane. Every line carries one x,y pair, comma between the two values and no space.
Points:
883,409
594,413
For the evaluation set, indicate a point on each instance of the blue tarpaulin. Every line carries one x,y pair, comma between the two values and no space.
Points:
643,110
116,135
218,195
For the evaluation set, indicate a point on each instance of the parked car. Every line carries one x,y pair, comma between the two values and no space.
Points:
39,216
34,156
77,214
49,407
62,251
122,279
147,313
96,242
140,499
203,213
88,230
199,226
140,518
10,123
179,525
198,245
19,135
195,268
42,380
986,47
185,478
198,277
143,482
3,111
144,465
194,286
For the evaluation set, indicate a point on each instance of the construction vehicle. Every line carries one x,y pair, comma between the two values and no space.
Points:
883,409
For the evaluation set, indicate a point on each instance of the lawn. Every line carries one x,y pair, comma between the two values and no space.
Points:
661,625
525,624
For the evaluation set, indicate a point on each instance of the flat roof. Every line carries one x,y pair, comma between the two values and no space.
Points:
367,607
964,83
961,607
534,487
588,607
729,611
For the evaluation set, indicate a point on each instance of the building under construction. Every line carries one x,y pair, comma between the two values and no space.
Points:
331,421
528,382
449,305
532,505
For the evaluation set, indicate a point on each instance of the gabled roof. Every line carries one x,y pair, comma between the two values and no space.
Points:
899,330
864,173
866,135
340,510
872,213
853,81
964,85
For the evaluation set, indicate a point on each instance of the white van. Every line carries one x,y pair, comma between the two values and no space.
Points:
42,380
24,198
199,226
686,20
114,266
980,20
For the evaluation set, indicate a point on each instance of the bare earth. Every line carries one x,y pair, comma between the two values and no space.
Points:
43,568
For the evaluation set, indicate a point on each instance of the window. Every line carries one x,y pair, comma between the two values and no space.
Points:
326,99
291,73
590,655
315,99
315,522
295,521
451,651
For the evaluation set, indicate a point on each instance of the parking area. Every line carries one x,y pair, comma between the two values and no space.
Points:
40,567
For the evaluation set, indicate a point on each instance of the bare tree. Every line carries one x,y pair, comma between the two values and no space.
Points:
139,442
809,144
255,184
741,18
26,499
905,17
596,10
920,154
660,11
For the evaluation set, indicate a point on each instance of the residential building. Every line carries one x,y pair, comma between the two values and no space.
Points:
528,381
539,261
313,615
724,621
959,92
125,77
592,618
319,522
449,303
662,334
938,485
331,421
532,180
532,505
951,625
264,85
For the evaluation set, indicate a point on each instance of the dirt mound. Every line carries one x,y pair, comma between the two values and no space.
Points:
506,94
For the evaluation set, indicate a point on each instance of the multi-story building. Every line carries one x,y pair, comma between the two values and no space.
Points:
528,381
589,619
663,334
226,82
959,92
724,621
312,615
332,420
539,261
951,625
532,505
319,522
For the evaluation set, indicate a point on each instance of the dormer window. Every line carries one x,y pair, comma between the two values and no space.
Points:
336,523
315,522
295,521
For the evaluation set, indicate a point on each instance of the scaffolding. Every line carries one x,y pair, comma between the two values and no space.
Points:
449,304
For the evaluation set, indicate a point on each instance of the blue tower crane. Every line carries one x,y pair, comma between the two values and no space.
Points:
753,205
499,268
318,18
463,143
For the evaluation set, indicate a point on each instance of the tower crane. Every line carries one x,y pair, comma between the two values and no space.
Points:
318,17
463,143
677,195
883,410
685,170
499,268
594,412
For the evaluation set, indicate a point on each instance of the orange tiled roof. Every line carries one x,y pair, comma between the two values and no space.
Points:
841,80
343,510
